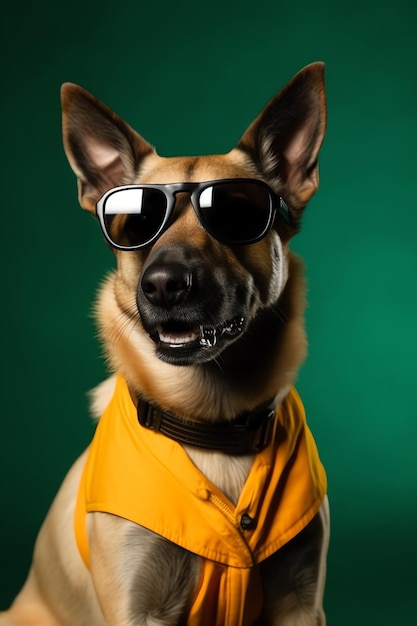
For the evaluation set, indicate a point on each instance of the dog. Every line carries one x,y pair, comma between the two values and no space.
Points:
201,499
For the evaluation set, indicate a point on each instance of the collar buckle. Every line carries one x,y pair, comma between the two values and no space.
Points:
263,434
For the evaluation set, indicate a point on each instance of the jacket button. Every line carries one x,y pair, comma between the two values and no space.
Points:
247,522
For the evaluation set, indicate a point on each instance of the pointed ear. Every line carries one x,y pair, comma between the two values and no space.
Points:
285,140
102,149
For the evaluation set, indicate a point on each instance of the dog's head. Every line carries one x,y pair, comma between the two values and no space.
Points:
203,266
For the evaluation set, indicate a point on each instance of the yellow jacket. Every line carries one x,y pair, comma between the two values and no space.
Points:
145,477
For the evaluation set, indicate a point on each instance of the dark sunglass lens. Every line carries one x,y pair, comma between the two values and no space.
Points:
236,212
134,216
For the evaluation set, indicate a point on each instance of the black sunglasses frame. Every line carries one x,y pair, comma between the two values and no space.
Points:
195,190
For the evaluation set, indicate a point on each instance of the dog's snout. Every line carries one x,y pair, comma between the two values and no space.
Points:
166,285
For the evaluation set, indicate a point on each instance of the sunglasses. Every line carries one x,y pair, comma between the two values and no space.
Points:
234,211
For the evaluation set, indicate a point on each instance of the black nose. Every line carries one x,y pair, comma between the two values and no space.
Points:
166,285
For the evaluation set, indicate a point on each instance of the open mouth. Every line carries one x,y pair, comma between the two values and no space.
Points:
177,336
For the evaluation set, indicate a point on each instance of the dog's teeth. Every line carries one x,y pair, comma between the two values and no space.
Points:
208,337
177,339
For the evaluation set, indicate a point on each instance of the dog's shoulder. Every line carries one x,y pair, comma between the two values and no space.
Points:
101,395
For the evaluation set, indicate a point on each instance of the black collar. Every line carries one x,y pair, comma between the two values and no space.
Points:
248,433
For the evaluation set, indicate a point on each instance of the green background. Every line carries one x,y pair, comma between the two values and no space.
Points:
191,77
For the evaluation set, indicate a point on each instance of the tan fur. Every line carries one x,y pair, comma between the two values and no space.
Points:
187,391
259,367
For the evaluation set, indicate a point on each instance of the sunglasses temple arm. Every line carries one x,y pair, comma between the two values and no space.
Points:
284,210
